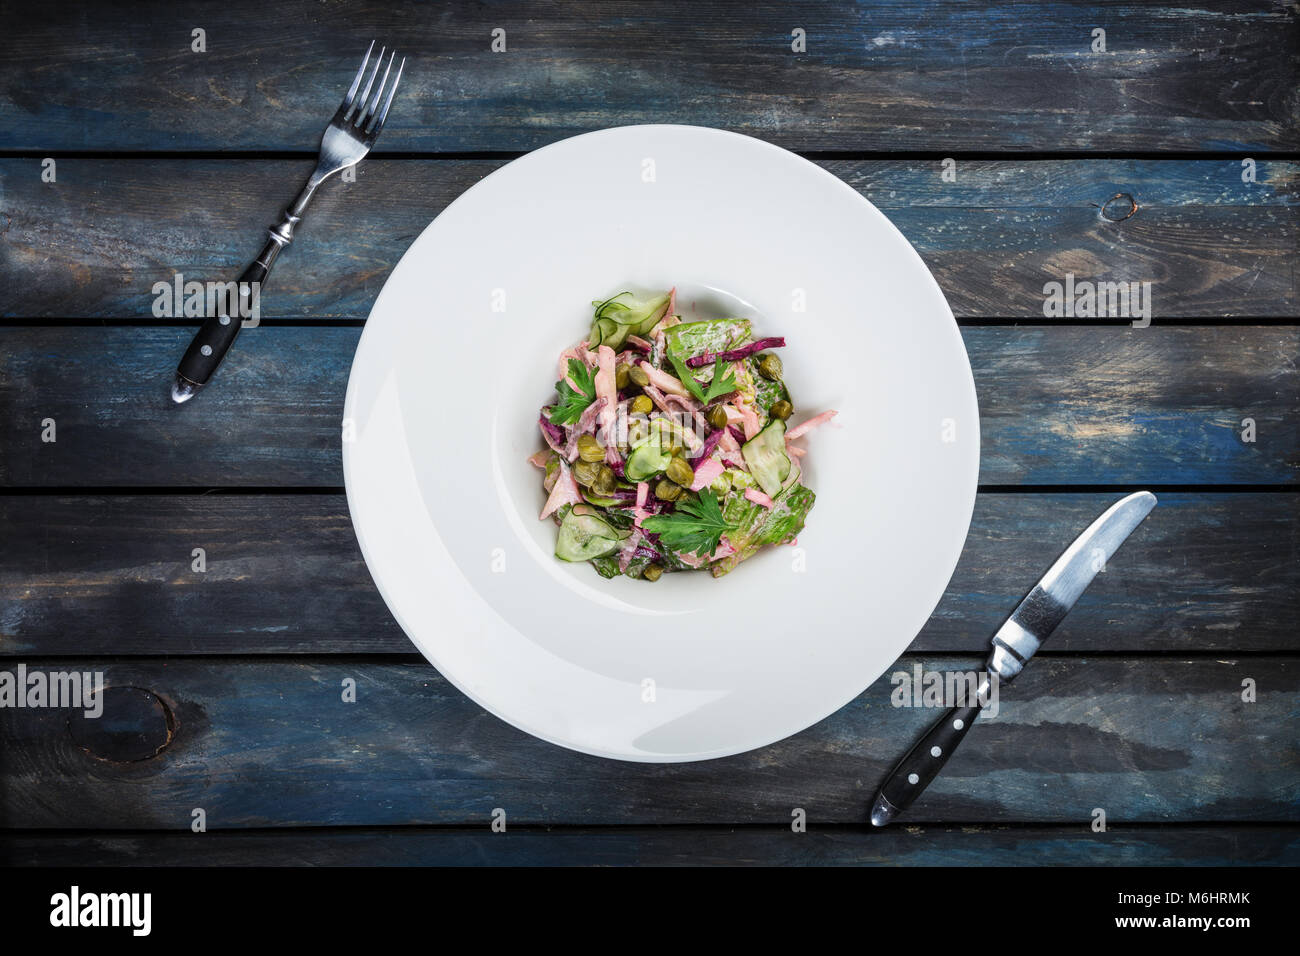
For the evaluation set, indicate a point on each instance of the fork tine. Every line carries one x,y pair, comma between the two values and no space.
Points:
379,121
369,111
356,82
361,104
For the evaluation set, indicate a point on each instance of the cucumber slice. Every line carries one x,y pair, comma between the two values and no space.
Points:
584,536
646,459
596,499
767,459
601,331
624,315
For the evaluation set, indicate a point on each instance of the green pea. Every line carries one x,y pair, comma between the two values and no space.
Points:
585,473
769,366
589,449
666,490
680,472
606,482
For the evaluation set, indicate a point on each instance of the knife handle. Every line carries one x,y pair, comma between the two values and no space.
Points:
923,763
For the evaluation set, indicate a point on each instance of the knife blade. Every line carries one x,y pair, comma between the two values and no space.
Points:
1015,642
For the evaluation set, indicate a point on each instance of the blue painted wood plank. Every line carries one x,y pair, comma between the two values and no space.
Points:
670,846
271,743
112,575
1073,405
94,243
901,74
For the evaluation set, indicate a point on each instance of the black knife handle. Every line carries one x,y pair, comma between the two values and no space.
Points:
923,762
218,332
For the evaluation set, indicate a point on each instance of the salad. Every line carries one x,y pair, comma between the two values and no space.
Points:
668,445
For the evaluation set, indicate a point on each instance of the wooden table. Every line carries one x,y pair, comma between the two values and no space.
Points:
225,684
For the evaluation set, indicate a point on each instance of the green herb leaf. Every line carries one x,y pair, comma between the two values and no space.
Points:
573,402
721,385
696,527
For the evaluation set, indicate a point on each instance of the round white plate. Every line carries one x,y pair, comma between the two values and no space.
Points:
460,352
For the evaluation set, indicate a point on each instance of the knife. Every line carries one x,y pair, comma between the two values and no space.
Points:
1031,623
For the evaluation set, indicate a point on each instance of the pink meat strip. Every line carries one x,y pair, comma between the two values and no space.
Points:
804,427
626,553
725,550
749,419
665,381
687,404
705,473
565,492
756,496
605,387
639,512
578,352
797,452
540,458
658,397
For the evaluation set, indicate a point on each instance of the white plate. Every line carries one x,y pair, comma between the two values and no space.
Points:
442,407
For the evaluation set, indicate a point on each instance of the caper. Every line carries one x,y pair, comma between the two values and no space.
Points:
717,416
769,366
641,405
781,410
638,375
653,572
589,449
680,472
585,473
606,482
622,375
666,490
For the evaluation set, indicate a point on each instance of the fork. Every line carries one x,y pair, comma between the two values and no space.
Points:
347,139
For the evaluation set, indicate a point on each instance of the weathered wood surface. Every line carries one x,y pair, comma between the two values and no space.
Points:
1091,405
96,575
1209,244
271,743
893,75
669,846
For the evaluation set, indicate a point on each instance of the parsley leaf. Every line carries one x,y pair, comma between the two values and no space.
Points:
721,385
697,525
573,402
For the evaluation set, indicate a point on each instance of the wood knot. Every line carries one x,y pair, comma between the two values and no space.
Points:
1119,207
134,724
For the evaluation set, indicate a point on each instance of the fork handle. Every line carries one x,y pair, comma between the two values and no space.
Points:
218,332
